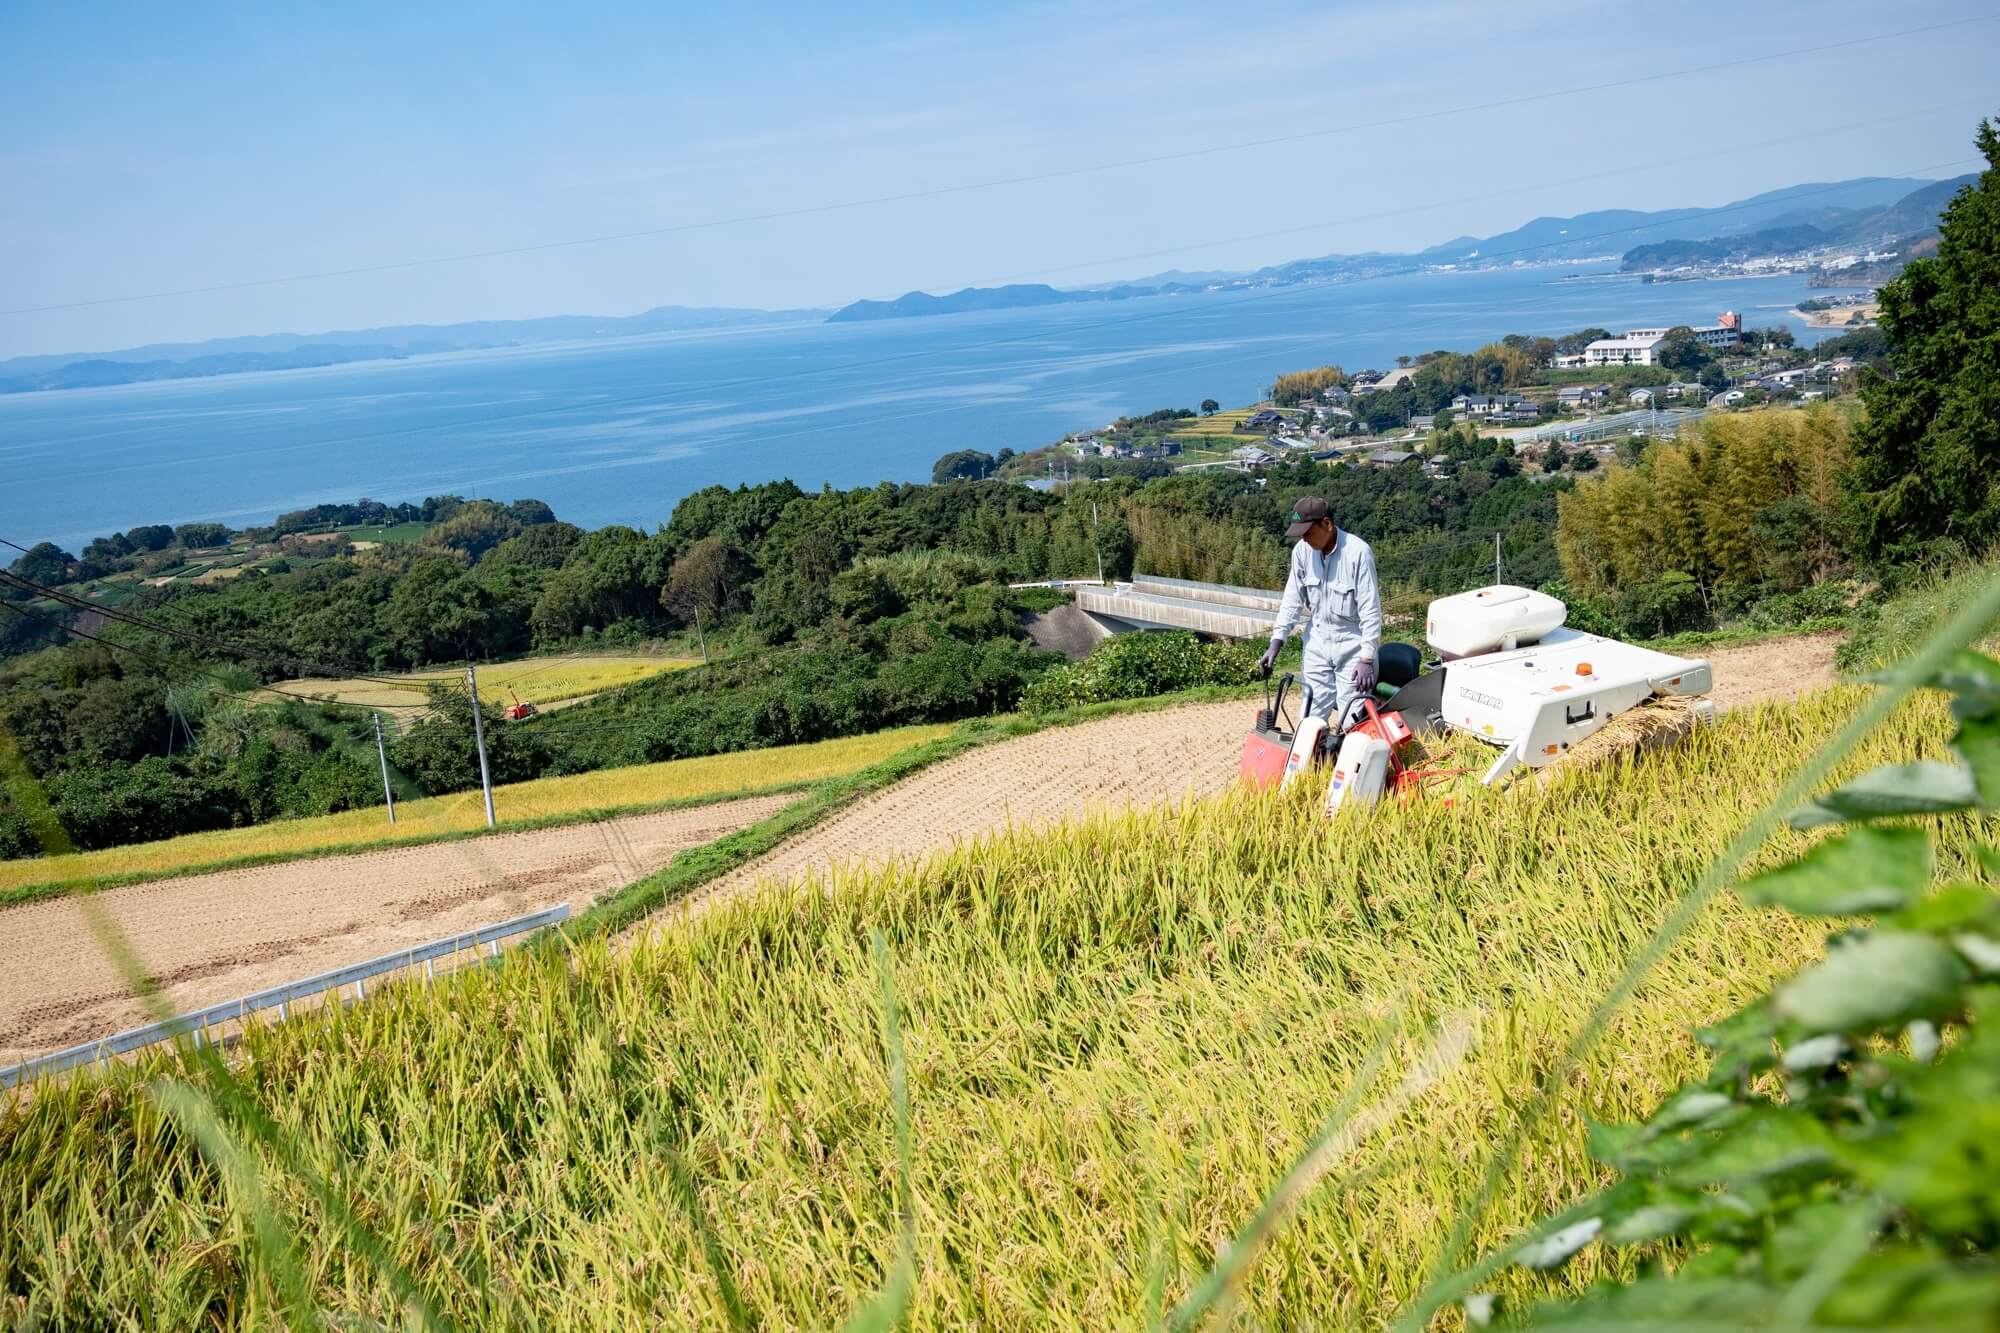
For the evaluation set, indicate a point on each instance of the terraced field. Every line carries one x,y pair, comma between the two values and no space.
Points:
544,799
544,681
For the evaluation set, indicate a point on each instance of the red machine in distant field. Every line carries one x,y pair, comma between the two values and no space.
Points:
518,711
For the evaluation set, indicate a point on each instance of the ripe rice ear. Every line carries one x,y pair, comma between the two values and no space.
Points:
1663,720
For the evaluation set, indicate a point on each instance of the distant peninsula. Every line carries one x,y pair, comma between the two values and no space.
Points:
294,351
1796,219
1013,297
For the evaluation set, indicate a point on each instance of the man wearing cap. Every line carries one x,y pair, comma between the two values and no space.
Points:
1331,587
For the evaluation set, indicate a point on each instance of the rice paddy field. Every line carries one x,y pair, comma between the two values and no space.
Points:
1119,1033
464,812
534,680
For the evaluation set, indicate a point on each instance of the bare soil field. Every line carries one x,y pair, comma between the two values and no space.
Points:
1774,669
1841,316
211,937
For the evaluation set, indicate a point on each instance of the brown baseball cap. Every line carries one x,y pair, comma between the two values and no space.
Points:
1308,510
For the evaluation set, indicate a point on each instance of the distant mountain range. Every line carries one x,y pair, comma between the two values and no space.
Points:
1866,210
295,351
1912,217
1816,214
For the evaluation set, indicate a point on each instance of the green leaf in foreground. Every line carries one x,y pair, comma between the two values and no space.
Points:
1973,680
1881,980
1923,788
1978,744
1765,1143
1864,870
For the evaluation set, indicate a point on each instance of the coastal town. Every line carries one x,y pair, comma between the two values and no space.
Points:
1561,403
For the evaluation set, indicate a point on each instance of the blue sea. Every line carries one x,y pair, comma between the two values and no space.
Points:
618,431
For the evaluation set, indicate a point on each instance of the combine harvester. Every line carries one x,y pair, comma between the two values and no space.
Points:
1510,674
1513,676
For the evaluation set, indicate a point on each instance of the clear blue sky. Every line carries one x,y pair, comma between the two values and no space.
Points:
164,146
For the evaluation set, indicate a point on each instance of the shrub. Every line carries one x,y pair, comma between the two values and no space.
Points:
1133,666
1835,1167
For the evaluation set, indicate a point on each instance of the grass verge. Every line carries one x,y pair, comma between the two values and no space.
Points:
1889,629
1740,635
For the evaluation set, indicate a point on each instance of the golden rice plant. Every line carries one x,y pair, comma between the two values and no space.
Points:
533,680
1118,1033
516,803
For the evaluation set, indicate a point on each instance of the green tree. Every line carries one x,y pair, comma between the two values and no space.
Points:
474,529
962,465
196,536
1681,350
1209,407
711,580
543,546
436,614
1928,463
44,562
613,574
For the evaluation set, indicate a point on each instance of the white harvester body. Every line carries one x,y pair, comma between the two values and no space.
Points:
1515,678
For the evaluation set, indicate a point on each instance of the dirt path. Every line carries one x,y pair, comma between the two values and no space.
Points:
1773,669
210,937
215,936
1139,760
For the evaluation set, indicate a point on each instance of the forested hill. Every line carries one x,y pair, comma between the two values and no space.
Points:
827,613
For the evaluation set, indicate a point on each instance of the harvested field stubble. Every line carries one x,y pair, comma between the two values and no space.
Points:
543,799
1119,1033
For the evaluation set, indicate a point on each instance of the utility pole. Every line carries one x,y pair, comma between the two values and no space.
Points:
699,635
479,740
1095,542
388,792
1496,558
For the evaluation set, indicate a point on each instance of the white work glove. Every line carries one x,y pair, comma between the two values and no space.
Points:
1269,659
1365,675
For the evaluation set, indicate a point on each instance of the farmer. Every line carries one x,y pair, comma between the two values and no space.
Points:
1331,586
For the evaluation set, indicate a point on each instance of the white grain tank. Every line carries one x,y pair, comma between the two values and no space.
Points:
1489,620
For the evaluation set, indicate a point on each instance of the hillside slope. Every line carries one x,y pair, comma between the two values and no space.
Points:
1151,759
1119,1032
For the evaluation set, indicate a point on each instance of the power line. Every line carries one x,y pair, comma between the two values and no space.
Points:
230,690
968,187
292,664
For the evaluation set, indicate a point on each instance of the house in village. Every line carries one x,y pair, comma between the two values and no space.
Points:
1577,397
1385,380
1494,407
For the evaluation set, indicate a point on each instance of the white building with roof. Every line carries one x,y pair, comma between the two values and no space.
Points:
1632,349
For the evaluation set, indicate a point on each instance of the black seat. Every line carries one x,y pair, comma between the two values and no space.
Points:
1398,664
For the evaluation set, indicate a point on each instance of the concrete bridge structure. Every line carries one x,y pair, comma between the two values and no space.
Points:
1151,602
